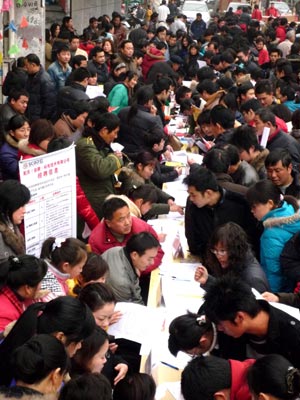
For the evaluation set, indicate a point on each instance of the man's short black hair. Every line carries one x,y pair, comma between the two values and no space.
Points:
228,295
205,73
205,376
111,205
80,74
208,86
141,242
251,104
266,115
277,155
263,86
15,94
216,160
244,137
33,59
202,179
222,116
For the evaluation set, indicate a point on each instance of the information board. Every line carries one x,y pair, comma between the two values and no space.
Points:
51,179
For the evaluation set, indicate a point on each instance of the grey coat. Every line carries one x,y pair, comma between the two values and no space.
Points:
122,276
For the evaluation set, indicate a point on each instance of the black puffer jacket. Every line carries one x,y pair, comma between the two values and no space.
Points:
131,134
201,222
42,96
68,95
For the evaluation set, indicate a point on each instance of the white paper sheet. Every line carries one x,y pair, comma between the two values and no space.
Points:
138,323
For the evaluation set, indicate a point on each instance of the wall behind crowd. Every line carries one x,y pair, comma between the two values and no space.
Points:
81,11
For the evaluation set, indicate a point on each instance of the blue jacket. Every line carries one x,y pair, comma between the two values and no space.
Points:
9,163
280,225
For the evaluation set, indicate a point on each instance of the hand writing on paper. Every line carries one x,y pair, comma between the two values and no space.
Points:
122,371
270,297
201,275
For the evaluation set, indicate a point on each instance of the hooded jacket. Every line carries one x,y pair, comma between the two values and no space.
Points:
280,225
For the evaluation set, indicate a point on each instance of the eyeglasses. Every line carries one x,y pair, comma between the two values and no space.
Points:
219,252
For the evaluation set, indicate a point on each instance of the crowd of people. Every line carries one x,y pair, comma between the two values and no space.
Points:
234,83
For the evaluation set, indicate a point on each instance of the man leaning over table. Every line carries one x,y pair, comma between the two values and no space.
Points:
116,228
127,263
209,206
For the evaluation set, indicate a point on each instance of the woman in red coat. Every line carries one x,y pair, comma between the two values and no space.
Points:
20,279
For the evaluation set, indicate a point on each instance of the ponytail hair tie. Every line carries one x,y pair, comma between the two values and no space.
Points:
15,260
201,320
291,372
57,243
281,197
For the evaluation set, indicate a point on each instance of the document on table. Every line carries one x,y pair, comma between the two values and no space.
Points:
173,387
138,323
181,296
178,190
180,271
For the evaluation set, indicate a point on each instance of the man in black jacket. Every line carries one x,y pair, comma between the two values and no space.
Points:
41,89
264,118
280,171
97,65
209,206
16,104
230,303
74,92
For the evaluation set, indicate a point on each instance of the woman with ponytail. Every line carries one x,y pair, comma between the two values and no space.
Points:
66,318
38,366
65,259
20,281
272,377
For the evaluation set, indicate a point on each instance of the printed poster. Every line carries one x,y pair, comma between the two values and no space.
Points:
51,179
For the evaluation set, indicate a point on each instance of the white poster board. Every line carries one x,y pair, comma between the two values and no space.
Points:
51,179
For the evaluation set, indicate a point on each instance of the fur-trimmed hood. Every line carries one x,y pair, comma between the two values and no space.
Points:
11,141
284,215
27,148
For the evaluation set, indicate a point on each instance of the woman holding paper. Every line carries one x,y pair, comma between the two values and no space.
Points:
281,220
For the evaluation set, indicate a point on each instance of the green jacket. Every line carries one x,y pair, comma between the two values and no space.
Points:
118,97
95,171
